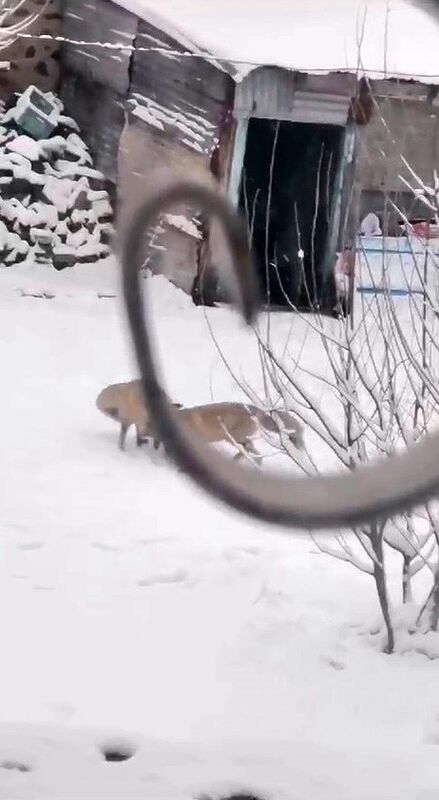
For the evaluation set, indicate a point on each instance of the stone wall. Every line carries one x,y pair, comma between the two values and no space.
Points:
33,61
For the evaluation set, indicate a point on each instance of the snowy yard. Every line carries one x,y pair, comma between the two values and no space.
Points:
134,612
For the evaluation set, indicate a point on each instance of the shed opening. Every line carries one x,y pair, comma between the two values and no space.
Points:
287,195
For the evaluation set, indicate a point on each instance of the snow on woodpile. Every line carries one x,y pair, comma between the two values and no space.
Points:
53,205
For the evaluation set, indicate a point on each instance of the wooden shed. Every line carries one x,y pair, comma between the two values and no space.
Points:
282,143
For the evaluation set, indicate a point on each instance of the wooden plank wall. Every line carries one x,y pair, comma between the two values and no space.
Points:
87,102
141,110
96,80
99,21
405,122
177,108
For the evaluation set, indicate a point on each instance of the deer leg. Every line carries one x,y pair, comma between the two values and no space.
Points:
141,438
250,448
122,436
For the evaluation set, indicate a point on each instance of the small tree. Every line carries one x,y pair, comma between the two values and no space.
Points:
378,373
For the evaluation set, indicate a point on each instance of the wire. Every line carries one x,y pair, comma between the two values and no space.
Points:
212,57
17,27
10,33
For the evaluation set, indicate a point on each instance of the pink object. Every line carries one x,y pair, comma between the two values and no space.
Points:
425,230
344,268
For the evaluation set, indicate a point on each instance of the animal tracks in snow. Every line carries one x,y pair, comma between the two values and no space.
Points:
431,732
30,545
163,578
108,547
117,750
16,766
241,558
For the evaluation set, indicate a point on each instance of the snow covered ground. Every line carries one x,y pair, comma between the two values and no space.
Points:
137,615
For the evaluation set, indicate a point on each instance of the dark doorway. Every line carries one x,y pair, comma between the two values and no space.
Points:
287,192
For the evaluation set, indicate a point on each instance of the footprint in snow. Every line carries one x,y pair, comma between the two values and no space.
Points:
153,540
241,553
233,797
431,732
15,766
107,547
250,551
14,527
335,663
117,750
30,545
179,576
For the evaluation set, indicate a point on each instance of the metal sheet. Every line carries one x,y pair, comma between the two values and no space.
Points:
272,93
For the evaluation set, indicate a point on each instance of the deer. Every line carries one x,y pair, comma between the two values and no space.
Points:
239,424
124,403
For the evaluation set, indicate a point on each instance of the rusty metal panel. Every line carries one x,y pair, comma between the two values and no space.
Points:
273,93
398,88
327,109
265,93
99,21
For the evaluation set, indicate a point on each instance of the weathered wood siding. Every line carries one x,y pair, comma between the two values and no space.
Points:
406,122
140,111
87,102
99,21
177,107
96,79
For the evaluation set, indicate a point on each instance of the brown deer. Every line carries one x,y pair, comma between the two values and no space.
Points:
238,424
124,403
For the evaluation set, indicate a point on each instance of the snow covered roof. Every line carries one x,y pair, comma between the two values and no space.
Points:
153,14
394,39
